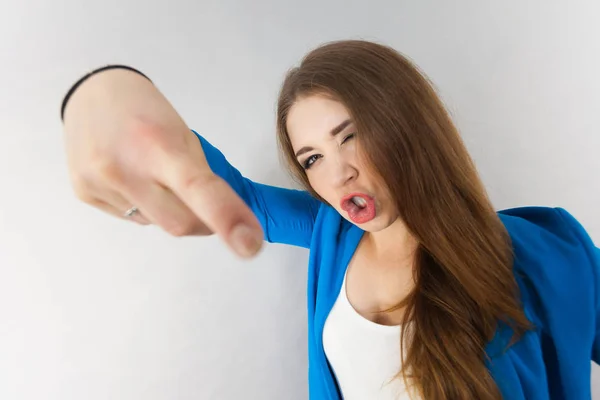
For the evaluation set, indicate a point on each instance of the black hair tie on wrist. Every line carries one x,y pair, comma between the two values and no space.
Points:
85,77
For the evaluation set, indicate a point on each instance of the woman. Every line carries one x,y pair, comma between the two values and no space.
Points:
417,287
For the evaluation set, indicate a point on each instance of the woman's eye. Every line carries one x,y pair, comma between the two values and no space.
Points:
310,161
350,136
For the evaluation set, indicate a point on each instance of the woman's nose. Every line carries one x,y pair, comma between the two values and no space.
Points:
343,173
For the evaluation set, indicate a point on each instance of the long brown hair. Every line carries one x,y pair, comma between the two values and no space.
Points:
464,280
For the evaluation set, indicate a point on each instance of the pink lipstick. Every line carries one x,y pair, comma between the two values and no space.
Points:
359,206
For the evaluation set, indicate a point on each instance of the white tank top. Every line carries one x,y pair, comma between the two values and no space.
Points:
364,355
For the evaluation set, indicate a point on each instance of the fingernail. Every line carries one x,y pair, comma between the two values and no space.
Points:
246,241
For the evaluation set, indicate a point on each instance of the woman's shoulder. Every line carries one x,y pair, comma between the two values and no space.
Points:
548,233
546,226
556,264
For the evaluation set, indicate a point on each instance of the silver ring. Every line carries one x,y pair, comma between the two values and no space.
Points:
131,212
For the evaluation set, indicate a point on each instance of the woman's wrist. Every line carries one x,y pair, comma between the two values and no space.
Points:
104,71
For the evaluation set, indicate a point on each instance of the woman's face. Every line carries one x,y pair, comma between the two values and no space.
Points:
323,137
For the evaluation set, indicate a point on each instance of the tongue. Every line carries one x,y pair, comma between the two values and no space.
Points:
354,210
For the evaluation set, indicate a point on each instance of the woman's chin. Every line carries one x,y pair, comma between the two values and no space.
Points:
374,225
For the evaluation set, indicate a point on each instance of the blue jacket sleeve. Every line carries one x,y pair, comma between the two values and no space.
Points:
287,216
596,349
593,254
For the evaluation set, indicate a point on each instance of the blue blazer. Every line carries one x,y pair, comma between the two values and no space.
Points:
557,267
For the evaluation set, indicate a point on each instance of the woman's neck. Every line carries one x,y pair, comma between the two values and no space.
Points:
394,243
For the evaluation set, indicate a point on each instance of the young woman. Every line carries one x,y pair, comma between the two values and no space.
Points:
417,288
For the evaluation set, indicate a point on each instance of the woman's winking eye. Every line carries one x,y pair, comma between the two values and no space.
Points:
312,159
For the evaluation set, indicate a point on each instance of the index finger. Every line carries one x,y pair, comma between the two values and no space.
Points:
213,200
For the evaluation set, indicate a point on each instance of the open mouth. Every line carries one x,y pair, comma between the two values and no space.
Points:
360,207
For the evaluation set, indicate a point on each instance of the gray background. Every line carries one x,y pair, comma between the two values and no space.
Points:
95,308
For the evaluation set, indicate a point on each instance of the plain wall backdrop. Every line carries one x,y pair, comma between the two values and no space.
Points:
95,308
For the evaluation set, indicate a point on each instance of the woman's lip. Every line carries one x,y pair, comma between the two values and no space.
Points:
357,194
359,214
349,197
